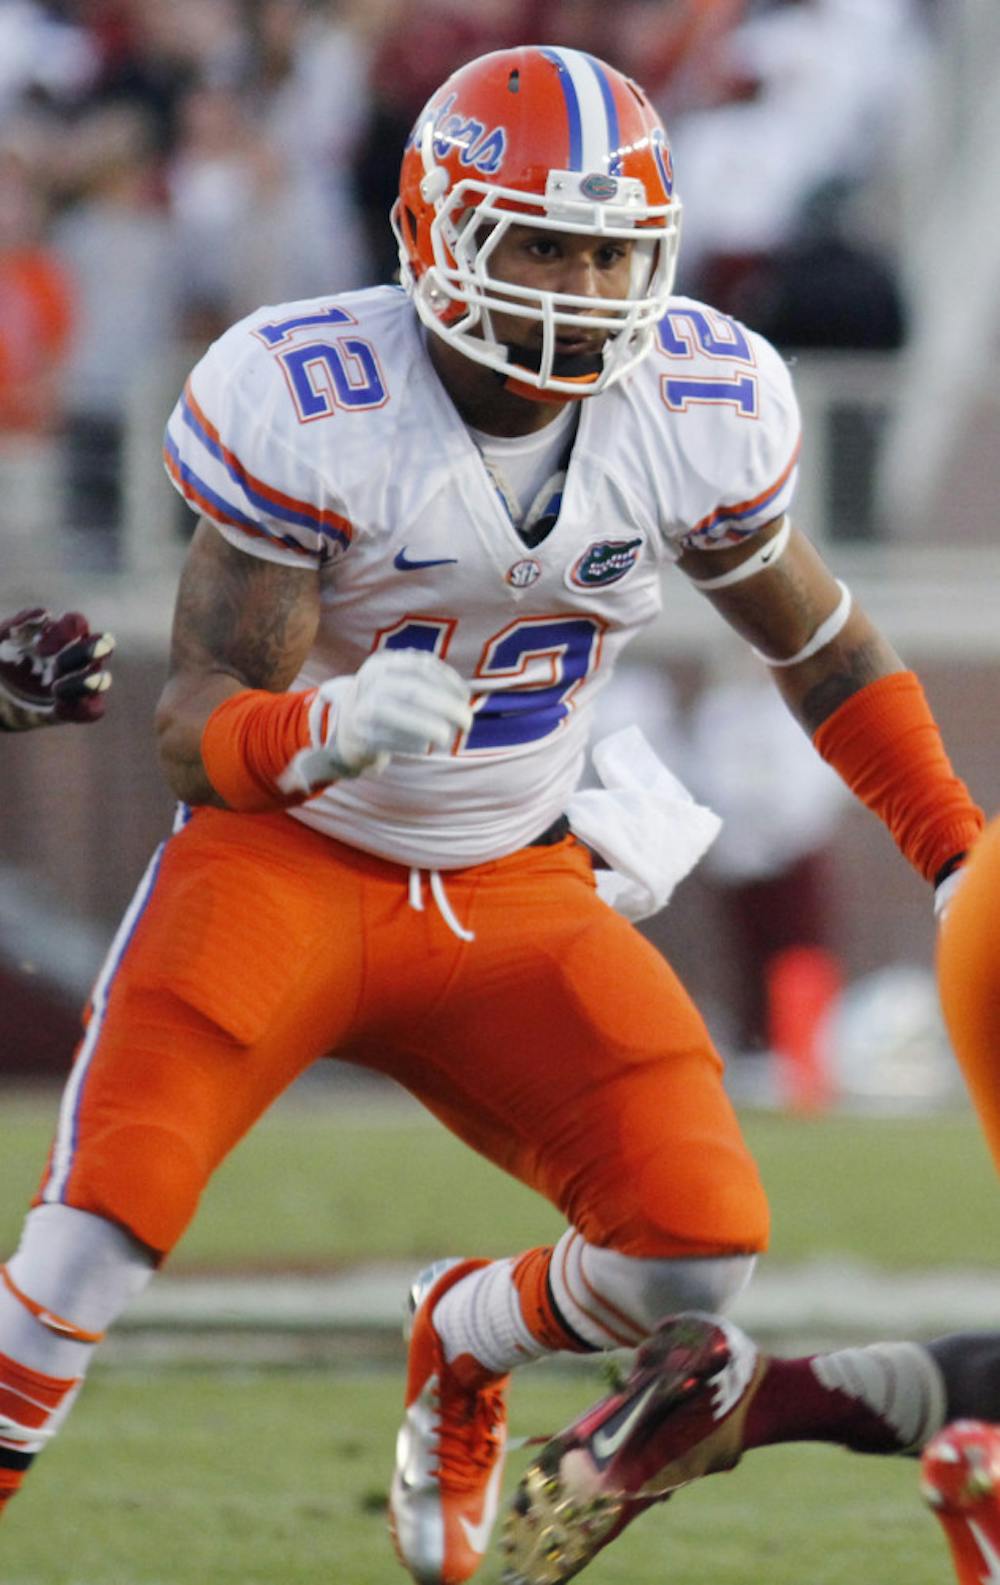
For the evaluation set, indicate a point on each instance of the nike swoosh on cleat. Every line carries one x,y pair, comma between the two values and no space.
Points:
605,1445
402,562
478,1535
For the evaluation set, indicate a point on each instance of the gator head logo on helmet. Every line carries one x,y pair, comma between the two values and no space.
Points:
551,138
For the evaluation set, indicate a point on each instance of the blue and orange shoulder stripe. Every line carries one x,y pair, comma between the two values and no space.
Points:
277,505
740,510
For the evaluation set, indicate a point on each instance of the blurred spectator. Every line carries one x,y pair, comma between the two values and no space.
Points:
151,55
116,242
822,289
311,101
750,761
675,48
426,41
225,190
820,90
42,54
35,307
35,320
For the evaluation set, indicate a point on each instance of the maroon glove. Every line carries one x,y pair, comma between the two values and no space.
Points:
51,669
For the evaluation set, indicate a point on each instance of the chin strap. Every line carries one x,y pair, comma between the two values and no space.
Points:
583,370
534,393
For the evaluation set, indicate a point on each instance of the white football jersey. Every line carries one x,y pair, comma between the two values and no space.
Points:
318,434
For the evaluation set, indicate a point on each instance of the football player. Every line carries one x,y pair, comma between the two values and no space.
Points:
52,669
701,1395
432,516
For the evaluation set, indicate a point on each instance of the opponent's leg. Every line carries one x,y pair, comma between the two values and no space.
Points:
701,1395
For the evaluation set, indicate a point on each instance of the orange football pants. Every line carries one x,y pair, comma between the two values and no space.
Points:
558,1043
968,963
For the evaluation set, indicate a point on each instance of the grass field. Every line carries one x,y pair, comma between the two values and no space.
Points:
326,1178
275,1478
190,1475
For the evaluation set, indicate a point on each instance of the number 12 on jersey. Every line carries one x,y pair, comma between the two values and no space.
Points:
545,658
719,337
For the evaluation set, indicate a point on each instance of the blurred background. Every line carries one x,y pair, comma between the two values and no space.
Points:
168,165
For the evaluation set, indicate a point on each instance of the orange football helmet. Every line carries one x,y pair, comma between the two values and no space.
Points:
552,138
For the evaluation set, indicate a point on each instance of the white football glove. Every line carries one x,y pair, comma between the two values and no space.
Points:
400,701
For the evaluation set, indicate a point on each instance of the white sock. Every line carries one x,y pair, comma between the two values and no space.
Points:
609,1300
481,1316
83,1268
900,1382
615,1301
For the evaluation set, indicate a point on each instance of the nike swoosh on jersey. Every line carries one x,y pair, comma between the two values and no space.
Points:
478,1535
606,1444
402,562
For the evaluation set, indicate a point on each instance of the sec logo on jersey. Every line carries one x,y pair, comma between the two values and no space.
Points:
524,573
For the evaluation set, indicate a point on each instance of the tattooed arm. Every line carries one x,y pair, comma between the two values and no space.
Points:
781,608
239,622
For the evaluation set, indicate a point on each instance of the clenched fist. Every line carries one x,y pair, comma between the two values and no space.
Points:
399,702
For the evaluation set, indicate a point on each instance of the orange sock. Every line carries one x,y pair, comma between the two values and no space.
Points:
531,1279
28,1404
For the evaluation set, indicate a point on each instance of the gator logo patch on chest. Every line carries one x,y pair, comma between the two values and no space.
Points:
604,562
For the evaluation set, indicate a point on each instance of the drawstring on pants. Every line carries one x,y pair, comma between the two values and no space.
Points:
440,897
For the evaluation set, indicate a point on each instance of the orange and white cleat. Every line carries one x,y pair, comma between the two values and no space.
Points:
960,1482
450,1450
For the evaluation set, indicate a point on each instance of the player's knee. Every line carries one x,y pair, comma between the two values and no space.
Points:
649,1289
707,1201
148,1179
677,1206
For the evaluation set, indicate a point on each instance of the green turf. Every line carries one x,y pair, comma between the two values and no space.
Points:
322,1180
250,1478
243,1477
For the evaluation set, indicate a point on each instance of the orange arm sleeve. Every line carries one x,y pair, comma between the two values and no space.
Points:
248,740
885,744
